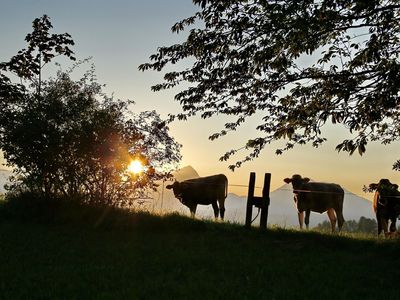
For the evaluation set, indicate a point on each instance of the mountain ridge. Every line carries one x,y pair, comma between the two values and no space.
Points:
185,173
282,210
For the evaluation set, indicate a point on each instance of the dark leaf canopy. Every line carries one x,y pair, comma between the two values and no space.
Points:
298,64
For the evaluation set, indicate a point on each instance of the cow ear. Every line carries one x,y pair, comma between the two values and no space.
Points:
395,186
287,180
306,179
168,187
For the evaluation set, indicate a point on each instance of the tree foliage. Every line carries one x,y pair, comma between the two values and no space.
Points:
67,139
42,48
363,225
299,64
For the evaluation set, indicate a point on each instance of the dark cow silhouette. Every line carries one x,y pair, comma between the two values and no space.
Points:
318,197
204,190
386,205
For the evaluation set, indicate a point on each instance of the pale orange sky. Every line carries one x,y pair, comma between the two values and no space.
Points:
320,164
122,34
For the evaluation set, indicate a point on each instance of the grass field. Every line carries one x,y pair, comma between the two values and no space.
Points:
139,256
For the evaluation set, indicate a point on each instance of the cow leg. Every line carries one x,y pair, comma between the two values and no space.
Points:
332,218
221,208
392,224
301,218
379,226
193,208
384,222
379,221
340,219
307,218
216,210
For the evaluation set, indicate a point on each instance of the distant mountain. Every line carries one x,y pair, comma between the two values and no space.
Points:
4,174
282,209
185,173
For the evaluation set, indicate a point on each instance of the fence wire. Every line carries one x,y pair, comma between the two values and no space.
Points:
284,189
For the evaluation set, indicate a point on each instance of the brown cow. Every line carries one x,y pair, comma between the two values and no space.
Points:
318,197
204,190
386,205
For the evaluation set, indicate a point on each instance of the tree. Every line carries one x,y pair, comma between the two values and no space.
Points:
67,139
367,225
364,225
298,64
42,48
350,226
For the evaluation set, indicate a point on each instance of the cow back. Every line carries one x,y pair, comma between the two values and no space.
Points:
204,190
319,197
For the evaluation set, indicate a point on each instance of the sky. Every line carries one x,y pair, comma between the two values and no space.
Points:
120,35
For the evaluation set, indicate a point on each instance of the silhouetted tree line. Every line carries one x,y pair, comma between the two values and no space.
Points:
364,225
66,139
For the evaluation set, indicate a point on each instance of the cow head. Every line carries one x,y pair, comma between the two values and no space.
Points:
297,181
383,184
384,188
176,187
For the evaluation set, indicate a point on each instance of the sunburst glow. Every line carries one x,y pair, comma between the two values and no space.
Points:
135,167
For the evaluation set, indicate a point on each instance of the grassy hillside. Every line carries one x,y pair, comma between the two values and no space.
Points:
139,256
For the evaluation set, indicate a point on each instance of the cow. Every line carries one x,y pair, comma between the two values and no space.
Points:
386,205
317,197
205,191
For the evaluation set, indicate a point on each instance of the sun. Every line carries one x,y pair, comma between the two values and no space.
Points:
135,167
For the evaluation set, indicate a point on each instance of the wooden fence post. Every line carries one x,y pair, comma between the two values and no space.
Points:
250,201
261,202
265,201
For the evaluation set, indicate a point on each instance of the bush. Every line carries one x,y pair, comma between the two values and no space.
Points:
67,139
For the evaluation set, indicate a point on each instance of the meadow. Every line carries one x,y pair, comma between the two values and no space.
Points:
87,253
